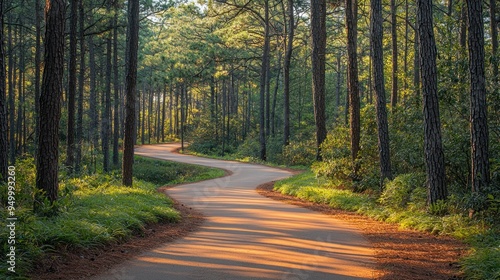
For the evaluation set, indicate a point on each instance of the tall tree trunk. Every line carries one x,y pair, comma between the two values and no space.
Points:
339,84
70,142
264,67
12,132
286,73
379,86
94,118
81,84
394,95
116,84
463,25
20,91
106,117
170,110
352,79
268,98
38,51
275,96
478,108
4,149
434,156
163,113
50,102
318,32
130,88
494,43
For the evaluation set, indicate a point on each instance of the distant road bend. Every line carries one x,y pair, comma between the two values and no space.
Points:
247,236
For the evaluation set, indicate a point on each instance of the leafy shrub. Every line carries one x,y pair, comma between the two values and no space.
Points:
249,148
299,153
402,190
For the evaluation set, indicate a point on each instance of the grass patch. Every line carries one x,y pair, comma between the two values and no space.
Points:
94,210
481,264
170,173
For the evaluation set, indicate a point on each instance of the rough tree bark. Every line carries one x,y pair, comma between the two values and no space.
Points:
81,87
286,73
379,86
130,88
264,67
434,156
494,43
116,89
352,79
94,118
478,108
106,117
50,102
394,35
318,32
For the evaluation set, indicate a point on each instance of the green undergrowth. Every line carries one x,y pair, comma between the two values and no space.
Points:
93,210
170,173
407,208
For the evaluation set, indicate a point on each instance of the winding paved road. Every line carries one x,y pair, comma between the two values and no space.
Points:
247,236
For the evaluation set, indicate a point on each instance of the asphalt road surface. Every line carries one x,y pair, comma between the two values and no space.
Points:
248,236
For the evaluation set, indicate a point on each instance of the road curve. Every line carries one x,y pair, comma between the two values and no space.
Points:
247,236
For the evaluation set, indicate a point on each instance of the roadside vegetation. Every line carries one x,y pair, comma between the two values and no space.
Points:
93,211
472,217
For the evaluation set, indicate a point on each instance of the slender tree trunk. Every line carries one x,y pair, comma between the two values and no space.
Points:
183,119
12,132
70,142
4,149
318,31
38,51
394,95
494,43
265,62
130,88
116,84
170,108
268,98
286,74
94,118
50,102
463,25
339,84
478,107
20,91
275,96
352,79
143,117
379,86
163,113
106,118
434,156
81,83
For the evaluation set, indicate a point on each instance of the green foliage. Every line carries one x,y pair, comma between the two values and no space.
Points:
483,261
403,202
403,190
301,153
307,187
165,172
